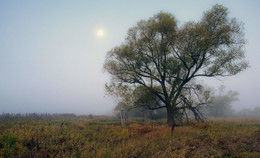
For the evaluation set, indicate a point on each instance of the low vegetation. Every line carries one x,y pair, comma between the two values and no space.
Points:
82,137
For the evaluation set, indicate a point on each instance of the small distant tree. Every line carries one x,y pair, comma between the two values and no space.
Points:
164,60
122,109
123,96
222,104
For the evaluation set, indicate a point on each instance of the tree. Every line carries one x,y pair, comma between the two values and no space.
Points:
165,60
222,104
123,95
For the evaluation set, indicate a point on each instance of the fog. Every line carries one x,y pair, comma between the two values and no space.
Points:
51,60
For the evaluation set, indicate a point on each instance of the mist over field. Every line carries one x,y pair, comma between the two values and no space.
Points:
98,79
52,56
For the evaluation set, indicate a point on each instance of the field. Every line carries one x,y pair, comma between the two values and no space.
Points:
81,137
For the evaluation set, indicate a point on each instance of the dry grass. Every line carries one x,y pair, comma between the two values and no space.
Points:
80,138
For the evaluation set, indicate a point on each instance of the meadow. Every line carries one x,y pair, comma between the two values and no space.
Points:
82,137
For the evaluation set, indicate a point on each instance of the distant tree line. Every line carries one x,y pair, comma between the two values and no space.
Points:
222,106
6,116
248,112
230,112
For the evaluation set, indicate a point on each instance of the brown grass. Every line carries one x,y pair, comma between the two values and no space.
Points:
80,138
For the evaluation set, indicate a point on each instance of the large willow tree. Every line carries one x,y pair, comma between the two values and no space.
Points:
160,60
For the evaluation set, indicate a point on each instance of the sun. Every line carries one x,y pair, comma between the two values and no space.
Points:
100,33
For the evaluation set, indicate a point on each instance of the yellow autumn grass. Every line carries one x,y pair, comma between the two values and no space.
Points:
229,137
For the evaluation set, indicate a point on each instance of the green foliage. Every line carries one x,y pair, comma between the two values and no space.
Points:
85,138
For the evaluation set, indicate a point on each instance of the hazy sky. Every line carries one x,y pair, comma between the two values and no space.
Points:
51,59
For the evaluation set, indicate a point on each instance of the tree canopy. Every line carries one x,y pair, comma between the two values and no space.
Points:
160,60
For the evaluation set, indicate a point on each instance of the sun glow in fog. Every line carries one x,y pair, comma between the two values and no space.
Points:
100,33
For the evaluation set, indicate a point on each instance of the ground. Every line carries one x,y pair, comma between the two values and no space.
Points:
82,137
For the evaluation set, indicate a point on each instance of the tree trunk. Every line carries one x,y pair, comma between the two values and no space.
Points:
170,117
124,117
121,118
